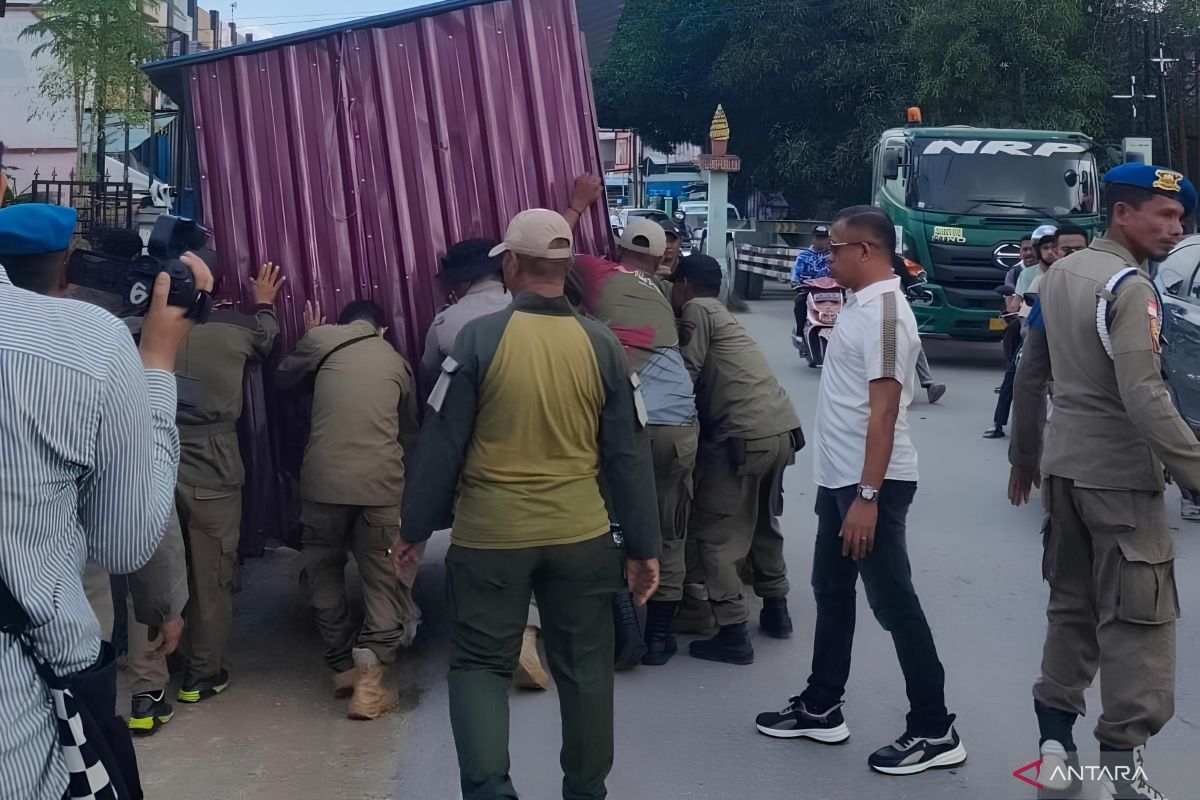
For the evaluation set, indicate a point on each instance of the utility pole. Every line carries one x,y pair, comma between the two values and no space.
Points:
1162,61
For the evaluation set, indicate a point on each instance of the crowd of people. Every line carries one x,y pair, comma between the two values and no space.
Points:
581,426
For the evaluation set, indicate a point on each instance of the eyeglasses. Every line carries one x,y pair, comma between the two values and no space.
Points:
835,245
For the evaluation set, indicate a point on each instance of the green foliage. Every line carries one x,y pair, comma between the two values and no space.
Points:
808,85
96,47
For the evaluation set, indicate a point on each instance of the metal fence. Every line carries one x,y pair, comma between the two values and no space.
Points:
102,204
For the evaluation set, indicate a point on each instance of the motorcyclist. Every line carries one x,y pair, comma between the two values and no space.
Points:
813,262
910,278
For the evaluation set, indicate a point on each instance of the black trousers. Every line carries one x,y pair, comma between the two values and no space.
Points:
800,309
887,578
1012,353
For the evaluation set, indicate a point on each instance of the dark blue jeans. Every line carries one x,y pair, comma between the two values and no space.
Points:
887,578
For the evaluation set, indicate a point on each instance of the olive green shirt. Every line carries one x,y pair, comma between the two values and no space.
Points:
363,408
216,354
1113,424
533,406
737,394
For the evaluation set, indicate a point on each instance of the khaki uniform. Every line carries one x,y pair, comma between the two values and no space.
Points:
157,594
636,308
208,496
364,406
746,431
1109,556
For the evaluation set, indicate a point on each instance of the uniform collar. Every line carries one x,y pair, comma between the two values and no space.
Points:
1105,245
538,304
869,293
4,281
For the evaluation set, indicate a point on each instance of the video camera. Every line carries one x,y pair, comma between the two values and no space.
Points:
132,278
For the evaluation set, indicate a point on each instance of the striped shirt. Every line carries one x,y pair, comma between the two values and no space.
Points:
88,458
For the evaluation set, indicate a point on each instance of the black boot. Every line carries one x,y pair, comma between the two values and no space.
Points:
731,645
774,618
660,643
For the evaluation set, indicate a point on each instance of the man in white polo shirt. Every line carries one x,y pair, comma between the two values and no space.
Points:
866,470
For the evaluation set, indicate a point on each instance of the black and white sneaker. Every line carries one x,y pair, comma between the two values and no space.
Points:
911,754
1058,775
795,722
1125,779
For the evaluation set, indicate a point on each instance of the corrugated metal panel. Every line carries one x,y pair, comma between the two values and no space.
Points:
354,160
598,19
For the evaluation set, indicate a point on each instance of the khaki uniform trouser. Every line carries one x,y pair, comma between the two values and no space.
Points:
390,616
1109,560
212,528
150,674
735,518
673,449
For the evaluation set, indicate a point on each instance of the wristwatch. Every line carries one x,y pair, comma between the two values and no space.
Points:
868,494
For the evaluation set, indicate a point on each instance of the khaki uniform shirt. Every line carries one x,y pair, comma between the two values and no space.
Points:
215,354
1113,424
363,408
737,394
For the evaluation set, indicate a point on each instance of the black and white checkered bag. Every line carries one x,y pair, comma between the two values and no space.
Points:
89,778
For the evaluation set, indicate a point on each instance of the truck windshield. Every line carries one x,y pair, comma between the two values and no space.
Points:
1004,178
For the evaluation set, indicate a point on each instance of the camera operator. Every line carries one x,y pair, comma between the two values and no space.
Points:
88,459
157,591
211,474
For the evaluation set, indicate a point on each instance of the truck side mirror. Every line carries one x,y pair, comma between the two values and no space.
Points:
1071,178
891,165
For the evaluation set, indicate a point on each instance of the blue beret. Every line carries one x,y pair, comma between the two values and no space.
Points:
31,229
1159,180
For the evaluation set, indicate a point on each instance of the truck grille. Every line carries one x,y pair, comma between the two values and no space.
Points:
968,274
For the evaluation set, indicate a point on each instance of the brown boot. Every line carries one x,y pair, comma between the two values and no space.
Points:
343,682
373,696
530,673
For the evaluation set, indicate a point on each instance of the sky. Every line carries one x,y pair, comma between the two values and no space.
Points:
277,17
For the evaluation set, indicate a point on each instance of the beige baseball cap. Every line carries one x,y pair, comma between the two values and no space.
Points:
644,236
532,232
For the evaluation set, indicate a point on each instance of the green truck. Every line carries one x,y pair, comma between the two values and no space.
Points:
962,199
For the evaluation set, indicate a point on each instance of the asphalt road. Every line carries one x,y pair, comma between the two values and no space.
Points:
686,730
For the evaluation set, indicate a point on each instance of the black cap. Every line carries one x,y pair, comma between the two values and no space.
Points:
699,269
669,227
821,232
469,261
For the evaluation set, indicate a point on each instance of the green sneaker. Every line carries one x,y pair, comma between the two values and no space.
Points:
204,688
148,712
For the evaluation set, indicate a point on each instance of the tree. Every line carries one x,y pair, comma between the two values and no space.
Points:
96,46
808,85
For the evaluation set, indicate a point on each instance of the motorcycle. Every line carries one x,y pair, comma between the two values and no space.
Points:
823,299
686,245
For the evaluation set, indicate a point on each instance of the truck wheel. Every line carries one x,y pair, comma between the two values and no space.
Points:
754,286
741,281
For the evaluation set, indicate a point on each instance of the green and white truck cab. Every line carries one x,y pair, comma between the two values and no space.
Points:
962,199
